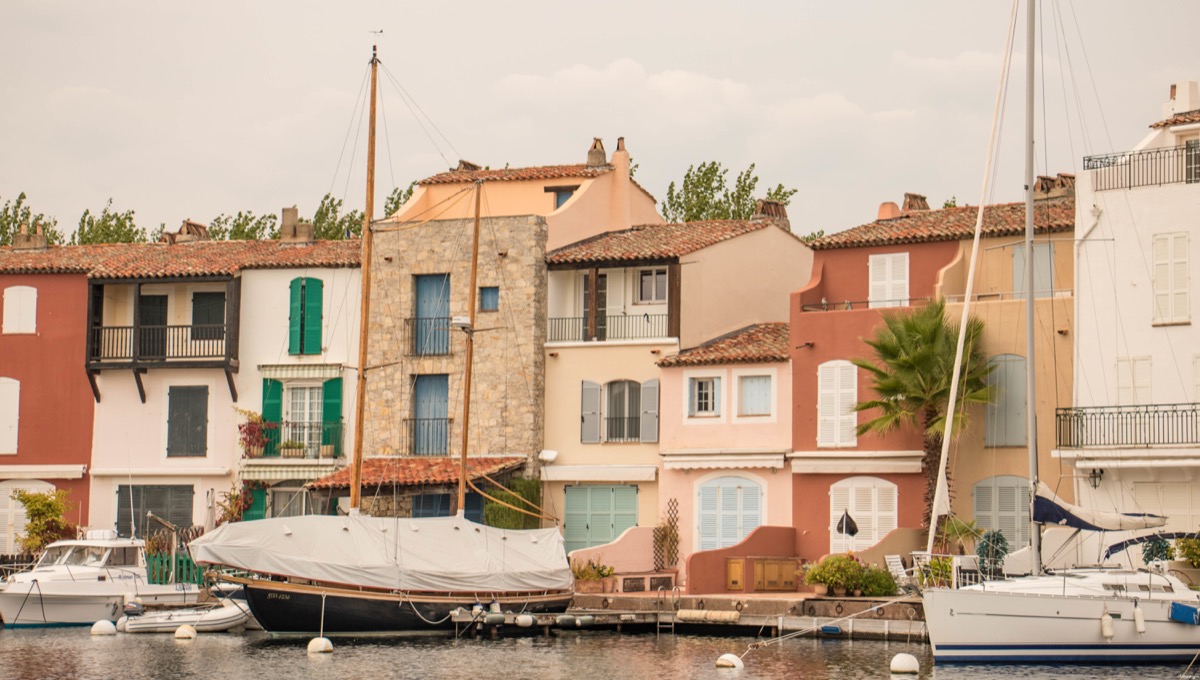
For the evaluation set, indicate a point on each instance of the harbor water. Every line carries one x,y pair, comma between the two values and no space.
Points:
590,655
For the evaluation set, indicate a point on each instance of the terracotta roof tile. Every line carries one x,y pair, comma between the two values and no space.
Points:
518,174
653,241
952,224
180,260
416,471
757,344
1179,119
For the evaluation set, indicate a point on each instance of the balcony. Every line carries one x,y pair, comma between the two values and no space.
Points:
608,327
302,440
156,344
427,336
1151,167
1151,425
427,436
847,305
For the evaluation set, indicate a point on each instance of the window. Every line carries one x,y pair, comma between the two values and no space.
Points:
489,299
187,421
1043,271
303,422
619,411
10,414
704,397
208,316
429,428
1171,303
431,334
754,395
888,280
289,501
730,508
561,194
871,502
172,503
1002,503
596,515
20,309
1133,381
438,505
652,285
304,323
1192,160
1005,418
837,392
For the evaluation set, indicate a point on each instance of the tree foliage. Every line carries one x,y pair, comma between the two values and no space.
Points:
911,377
244,226
45,518
705,194
109,226
496,515
329,224
15,213
397,198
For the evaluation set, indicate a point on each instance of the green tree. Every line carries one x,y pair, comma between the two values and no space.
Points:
244,226
397,198
705,194
330,225
109,226
45,518
915,353
14,214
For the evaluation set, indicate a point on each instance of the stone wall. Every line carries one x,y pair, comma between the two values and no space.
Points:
509,366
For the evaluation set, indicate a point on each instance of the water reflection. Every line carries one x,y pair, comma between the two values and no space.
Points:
73,653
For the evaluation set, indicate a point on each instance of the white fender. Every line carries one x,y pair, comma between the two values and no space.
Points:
1106,626
1139,620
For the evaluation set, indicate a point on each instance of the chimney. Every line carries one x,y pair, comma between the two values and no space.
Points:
1184,98
619,214
915,202
887,211
1060,185
23,240
188,231
292,230
596,156
467,166
772,210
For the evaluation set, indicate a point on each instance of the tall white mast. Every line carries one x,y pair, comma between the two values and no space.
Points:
1035,538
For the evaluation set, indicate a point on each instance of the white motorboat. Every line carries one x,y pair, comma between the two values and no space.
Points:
227,615
79,582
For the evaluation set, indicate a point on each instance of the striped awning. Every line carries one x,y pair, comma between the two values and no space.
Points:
301,371
278,473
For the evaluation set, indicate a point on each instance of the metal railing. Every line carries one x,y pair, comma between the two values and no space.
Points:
608,327
623,429
301,439
1154,424
428,336
158,343
427,436
847,305
1151,167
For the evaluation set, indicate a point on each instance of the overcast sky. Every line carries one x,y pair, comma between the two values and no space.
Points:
187,110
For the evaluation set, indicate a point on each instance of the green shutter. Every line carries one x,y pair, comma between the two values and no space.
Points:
312,316
296,313
331,414
272,412
258,505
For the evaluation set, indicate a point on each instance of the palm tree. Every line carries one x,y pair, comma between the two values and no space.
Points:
915,353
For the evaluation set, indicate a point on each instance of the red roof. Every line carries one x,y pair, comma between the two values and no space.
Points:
952,224
179,260
1179,119
654,241
416,471
518,174
758,344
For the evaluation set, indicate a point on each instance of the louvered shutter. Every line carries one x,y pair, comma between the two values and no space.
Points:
575,518
600,515
985,505
1007,512
847,396
295,315
124,511
708,517
839,502
863,510
649,420
877,267
331,414
716,396
258,505
624,509
187,421
272,413
1180,304
1023,512
313,298
729,508
590,413
751,508
898,279
1162,278
827,404
886,509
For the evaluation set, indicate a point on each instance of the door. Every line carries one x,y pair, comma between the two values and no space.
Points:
431,336
596,515
429,429
152,327
601,306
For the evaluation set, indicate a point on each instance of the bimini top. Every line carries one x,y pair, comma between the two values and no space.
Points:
440,554
1050,509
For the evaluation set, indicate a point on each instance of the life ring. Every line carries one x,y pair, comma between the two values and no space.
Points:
879,612
604,603
912,613
812,611
738,606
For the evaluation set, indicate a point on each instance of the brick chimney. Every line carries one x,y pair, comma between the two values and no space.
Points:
888,210
596,155
1060,185
914,202
292,230
23,240
188,231
772,210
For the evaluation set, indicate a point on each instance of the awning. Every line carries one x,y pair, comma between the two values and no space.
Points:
42,471
722,459
599,473
280,473
301,371
853,461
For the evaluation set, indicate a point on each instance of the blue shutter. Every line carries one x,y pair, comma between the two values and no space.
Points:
431,403
649,419
295,315
600,515
432,334
575,518
313,297
625,509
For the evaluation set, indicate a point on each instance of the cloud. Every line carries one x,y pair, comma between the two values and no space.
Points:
971,62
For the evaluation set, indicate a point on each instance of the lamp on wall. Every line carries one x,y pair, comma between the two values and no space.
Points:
1094,477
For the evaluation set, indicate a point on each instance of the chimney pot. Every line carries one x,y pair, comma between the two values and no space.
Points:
915,202
24,228
1172,91
888,210
620,143
596,156
23,240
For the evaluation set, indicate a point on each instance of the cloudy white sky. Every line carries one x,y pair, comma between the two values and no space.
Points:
188,110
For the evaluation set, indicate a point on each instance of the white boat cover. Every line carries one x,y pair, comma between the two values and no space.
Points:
1050,509
426,554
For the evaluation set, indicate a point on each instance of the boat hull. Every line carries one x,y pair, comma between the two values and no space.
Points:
290,609
59,603
203,619
969,626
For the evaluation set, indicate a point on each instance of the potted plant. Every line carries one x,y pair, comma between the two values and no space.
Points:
291,449
839,573
252,434
592,576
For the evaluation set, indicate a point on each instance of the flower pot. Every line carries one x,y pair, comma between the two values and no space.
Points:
291,453
591,585
254,452
857,592
820,589
327,450
839,591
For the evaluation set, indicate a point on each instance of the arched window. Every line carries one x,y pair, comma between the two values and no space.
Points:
837,392
624,411
1004,418
1002,503
872,504
20,309
729,509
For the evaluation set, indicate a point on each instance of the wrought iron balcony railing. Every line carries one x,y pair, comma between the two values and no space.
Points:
623,429
608,327
427,436
428,336
1150,167
158,343
847,305
1150,425
302,439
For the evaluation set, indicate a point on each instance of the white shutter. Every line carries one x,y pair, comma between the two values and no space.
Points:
10,414
827,404
898,285
708,517
590,413
984,505
839,502
730,515
837,393
1133,381
12,513
20,309
1180,303
751,508
862,509
649,419
1171,294
872,502
716,396
886,512
847,396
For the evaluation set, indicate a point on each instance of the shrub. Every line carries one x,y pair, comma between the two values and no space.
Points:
590,570
497,515
938,571
836,571
46,518
878,582
1157,549
1189,549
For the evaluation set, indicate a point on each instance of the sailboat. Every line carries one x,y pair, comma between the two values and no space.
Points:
1097,615
358,574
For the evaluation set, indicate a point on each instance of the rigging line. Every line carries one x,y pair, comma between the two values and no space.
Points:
1062,80
1067,78
1091,75
354,114
407,99
525,371
1078,98
353,153
524,500
427,117
387,143
413,222
510,506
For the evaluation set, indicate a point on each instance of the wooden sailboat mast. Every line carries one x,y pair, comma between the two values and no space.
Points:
365,311
470,332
